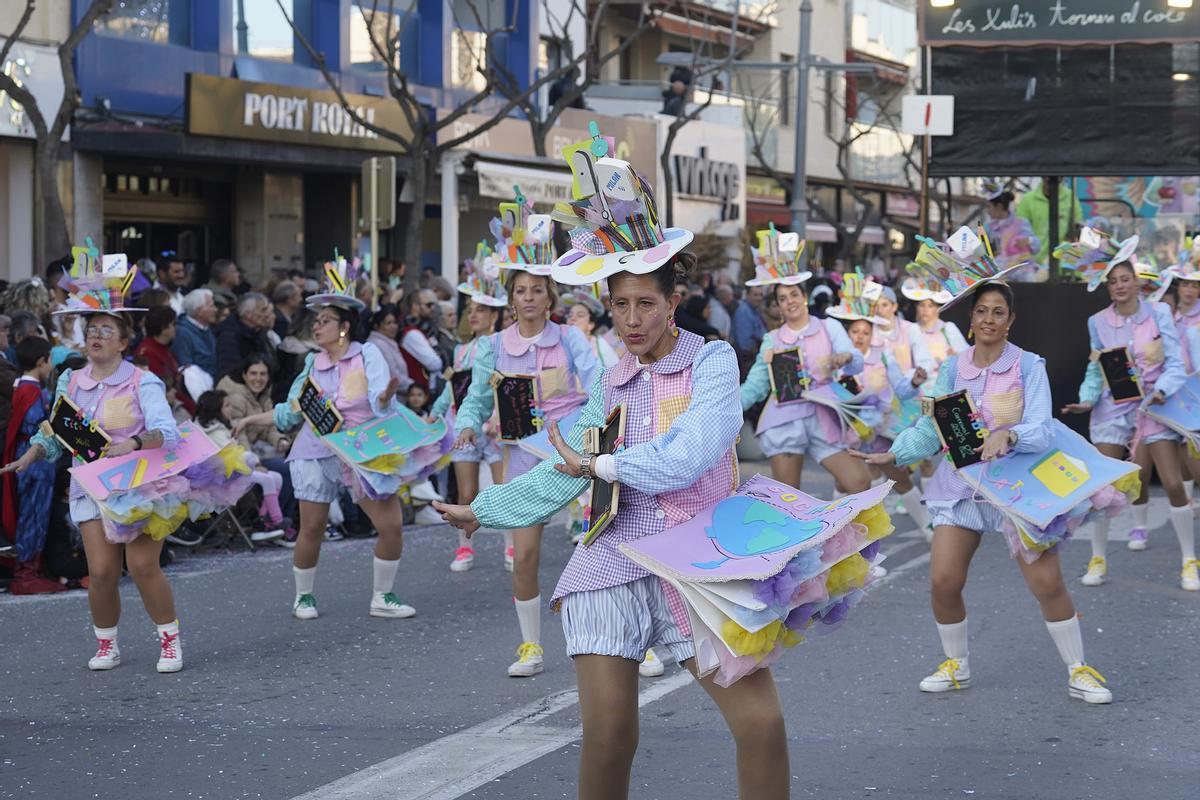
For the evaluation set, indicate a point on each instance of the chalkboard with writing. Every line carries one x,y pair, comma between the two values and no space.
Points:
598,441
1120,375
850,384
318,409
84,439
460,382
789,379
516,406
959,427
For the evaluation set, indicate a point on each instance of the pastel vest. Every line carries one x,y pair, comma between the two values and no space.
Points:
345,383
817,347
548,361
999,396
897,343
116,409
1182,323
1141,335
657,401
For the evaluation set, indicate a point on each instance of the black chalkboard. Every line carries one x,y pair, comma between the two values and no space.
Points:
1120,375
85,440
460,382
317,409
789,379
604,494
516,406
850,384
959,427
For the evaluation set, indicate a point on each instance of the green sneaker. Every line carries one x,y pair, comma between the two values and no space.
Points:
304,607
386,604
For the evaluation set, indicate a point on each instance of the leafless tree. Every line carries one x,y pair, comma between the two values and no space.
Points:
51,236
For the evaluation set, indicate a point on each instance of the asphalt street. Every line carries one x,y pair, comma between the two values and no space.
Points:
351,706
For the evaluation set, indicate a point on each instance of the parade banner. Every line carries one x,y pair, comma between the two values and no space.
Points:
1037,487
1055,22
107,476
381,445
751,534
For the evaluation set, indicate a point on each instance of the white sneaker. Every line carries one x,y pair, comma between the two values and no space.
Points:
529,661
304,607
928,534
1085,685
878,571
1097,569
1189,576
509,558
108,655
386,604
427,515
951,674
170,652
1137,539
899,509
464,559
651,666
266,536
424,491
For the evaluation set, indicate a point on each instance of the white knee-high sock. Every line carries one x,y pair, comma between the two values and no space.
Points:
954,639
1068,639
1100,536
385,574
305,579
171,627
1183,521
912,504
105,633
1188,488
508,542
529,617
463,541
1140,515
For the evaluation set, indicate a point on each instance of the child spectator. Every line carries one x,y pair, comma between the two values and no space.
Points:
417,399
28,494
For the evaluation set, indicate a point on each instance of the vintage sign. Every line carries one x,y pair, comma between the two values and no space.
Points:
288,114
1056,22
701,176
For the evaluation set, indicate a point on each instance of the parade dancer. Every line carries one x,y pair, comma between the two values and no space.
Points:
1012,237
130,405
883,384
1011,392
585,312
683,419
942,339
561,363
899,338
1186,280
355,378
1124,430
487,297
789,432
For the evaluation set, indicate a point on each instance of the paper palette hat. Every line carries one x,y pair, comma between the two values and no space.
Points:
483,284
524,240
1153,281
1188,268
591,296
918,289
340,277
858,298
960,265
1094,255
97,284
777,259
613,221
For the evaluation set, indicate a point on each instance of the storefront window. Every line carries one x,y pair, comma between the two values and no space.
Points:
157,21
370,32
261,30
467,52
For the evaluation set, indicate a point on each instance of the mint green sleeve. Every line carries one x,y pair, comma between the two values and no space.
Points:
286,417
49,444
921,440
533,497
442,403
758,380
477,406
1093,381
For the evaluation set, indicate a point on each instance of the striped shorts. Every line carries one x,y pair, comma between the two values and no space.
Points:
623,621
973,515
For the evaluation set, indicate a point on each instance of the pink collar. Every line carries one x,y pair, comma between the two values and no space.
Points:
515,345
324,362
122,374
1007,360
787,336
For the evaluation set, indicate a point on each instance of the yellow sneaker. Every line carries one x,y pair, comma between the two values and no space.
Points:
529,661
1097,569
951,674
1189,576
1085,685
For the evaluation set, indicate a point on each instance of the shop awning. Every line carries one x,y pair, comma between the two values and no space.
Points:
872,234
820,232
539,185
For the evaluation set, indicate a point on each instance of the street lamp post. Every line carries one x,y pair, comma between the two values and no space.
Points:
800,156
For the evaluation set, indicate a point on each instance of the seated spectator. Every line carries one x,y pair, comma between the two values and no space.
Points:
248,391
292,351
171,276
288,299
244,334
155,349
8,372
224,283
384,324
364,292
692,315
417,399
195,341
211,414
419,354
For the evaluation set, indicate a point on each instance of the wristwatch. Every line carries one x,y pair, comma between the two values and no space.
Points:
137,440
1012,438
585,467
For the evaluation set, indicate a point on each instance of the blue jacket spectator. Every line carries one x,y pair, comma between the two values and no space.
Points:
748,326
195,342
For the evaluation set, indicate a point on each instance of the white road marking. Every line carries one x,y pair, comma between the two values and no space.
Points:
449,767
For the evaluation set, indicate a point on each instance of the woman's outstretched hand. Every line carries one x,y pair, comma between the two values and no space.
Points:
461,517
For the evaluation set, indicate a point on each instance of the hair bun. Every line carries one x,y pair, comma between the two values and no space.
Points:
685,265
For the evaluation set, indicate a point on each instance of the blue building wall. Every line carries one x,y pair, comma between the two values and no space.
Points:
139,77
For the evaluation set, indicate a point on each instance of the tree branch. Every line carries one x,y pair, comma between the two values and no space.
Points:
17,31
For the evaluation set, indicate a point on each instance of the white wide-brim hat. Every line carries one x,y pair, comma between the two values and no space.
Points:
578,267
915,291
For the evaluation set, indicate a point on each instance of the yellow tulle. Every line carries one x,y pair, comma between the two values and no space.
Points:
389,462
863,430
877,522
162,527
1129,485
758,644
849,573
1193,450
233,457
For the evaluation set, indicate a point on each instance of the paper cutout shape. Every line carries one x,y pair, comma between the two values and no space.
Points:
106,476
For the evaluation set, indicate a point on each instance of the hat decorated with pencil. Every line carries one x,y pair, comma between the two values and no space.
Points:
1188,267
858,298
97,284
613,221
590,295
918,289
340,277
960,265
1153,281
524,240
483,284
777,258
1094,255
